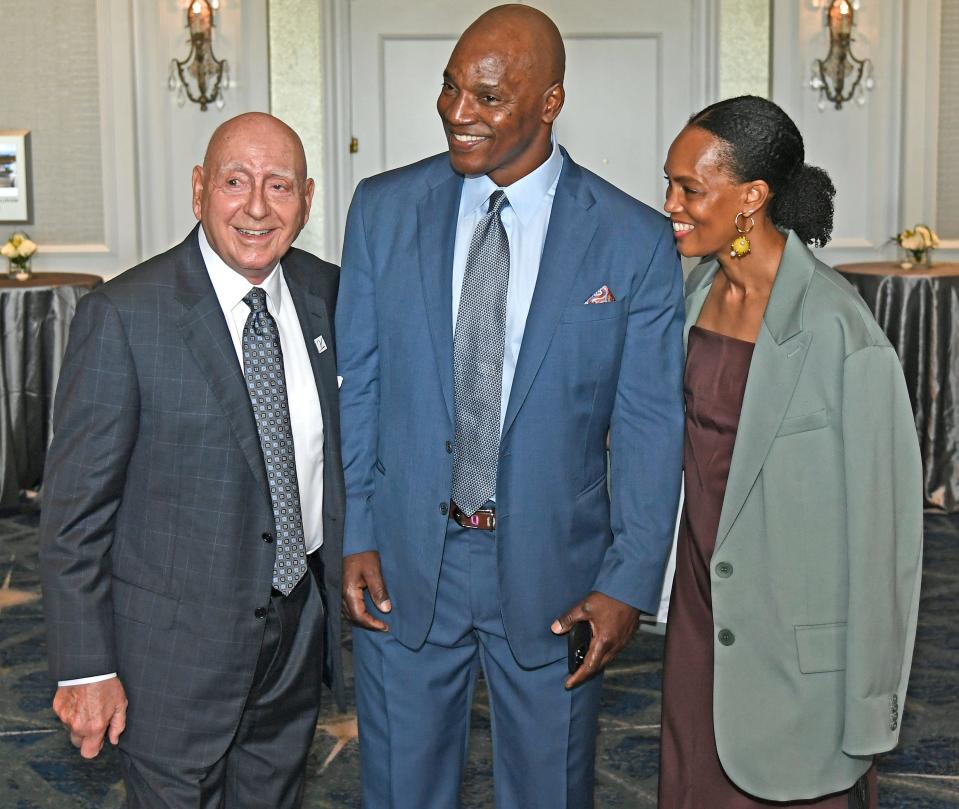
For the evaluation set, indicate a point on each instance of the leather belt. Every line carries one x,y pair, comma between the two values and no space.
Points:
484,519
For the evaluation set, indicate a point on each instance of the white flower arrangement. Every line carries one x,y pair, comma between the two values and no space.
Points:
918,241
18,248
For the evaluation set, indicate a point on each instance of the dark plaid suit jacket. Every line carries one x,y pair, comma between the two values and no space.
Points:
156,501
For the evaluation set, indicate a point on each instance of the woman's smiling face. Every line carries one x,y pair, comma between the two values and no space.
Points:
702,197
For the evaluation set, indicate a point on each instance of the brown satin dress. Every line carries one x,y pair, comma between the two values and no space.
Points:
690,773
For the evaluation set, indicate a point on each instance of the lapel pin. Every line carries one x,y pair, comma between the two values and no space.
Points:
320,344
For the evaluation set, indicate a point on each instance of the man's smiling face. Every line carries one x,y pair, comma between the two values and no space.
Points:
252,194
497,104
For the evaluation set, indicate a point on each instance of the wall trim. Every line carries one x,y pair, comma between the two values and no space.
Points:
120,247
920,112
704,53
338,125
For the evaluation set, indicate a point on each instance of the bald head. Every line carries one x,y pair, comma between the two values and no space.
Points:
539,43
252,194
502,90
251,127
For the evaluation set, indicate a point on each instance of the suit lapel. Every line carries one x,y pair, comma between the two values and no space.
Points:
207,336
773,374
436,236
572,224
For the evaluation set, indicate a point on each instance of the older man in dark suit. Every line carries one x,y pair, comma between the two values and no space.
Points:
193,504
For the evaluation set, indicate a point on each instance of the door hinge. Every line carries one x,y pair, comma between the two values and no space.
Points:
354,145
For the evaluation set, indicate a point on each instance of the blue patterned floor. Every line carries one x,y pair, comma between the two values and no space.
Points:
39,768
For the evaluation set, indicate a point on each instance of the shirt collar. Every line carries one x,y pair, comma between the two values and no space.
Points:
231,287
525,195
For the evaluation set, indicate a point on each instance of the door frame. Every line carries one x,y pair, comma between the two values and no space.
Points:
338,125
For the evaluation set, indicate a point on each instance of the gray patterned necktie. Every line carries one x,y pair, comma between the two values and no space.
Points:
478,347
266,382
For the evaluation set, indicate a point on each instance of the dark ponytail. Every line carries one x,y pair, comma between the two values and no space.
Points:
764,144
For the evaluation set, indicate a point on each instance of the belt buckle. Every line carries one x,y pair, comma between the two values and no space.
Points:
489,514
475,520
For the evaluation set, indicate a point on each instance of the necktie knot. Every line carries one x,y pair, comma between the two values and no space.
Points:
256,300
497,201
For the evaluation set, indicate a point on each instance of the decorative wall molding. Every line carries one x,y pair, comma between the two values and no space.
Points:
920,114
120,248
704,54
337,187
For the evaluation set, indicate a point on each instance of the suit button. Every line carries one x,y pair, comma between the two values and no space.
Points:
259,612
449,446
444,508
267,536
726,638
724,570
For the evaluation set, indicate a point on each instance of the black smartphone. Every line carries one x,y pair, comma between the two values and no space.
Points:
578,640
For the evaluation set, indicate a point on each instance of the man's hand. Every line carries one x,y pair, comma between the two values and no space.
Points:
613,624
361,571
90,711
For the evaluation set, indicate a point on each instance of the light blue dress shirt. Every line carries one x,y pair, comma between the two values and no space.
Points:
526,220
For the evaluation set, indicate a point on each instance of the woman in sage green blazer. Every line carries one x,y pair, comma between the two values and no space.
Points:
793,613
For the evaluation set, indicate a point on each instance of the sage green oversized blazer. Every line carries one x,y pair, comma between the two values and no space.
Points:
815,576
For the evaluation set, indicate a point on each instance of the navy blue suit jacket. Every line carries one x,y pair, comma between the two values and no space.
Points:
583,371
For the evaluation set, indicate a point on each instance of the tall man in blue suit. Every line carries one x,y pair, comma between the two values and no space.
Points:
501,311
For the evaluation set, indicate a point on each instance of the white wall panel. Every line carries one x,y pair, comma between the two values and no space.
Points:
860,147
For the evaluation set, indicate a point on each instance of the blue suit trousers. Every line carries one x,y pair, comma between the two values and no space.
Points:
414,704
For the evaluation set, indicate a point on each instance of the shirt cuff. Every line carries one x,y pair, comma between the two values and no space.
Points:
86,680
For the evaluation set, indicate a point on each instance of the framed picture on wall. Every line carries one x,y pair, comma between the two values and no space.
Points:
15,196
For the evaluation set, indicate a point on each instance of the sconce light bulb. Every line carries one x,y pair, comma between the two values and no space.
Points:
196,7
215,4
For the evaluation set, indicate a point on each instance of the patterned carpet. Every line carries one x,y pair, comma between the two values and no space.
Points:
39,768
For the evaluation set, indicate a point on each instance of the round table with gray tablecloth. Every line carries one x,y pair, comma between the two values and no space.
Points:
918,309
35,317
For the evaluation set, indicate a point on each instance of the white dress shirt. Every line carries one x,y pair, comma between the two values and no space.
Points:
525,220
306,418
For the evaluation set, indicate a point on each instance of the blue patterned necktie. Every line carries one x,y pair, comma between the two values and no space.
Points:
478,347
266,382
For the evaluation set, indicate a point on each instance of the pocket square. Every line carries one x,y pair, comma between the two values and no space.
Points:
320,344
601,295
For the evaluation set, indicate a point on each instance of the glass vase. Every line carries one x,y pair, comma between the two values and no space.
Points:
20,270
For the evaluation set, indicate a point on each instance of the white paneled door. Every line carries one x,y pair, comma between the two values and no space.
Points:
634,74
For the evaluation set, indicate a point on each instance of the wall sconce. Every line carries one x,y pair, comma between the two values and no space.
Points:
841,77
210,76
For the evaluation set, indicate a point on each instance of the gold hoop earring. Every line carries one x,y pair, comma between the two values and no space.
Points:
741,246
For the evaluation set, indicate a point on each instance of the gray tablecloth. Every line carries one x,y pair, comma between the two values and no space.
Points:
919,311
34,322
